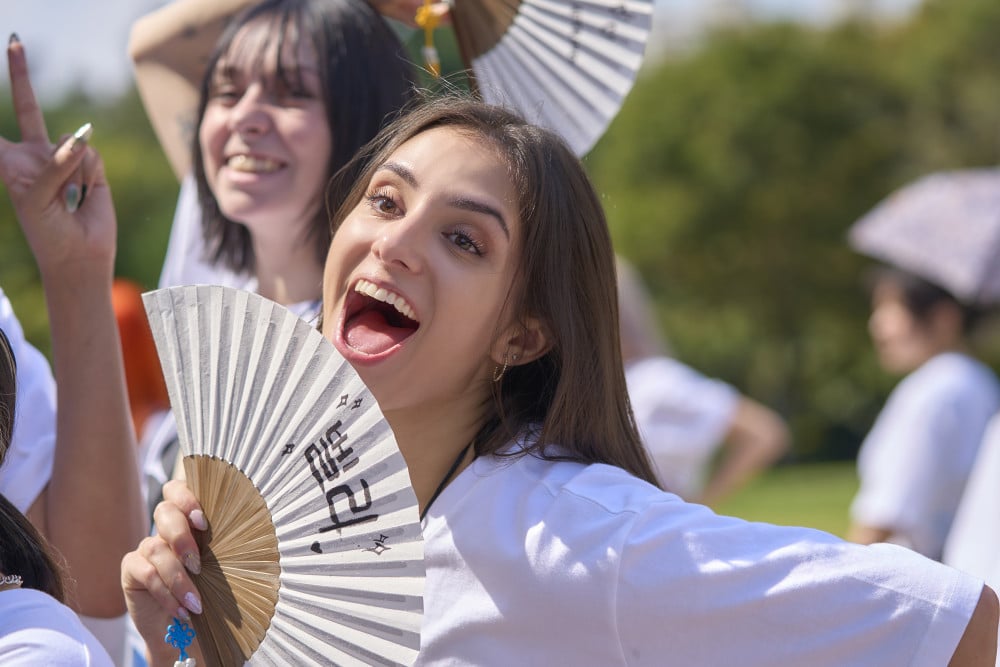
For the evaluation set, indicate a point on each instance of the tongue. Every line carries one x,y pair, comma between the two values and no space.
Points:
369,332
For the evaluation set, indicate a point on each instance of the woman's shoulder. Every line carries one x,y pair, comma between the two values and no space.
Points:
947,381
37,629
549,481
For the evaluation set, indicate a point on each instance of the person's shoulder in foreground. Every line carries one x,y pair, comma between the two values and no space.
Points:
36,630
522,551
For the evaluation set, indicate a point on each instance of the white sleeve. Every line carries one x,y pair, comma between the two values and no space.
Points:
913,467
973,543
28,465
712,590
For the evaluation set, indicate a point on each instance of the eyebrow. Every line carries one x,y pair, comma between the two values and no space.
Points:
464,203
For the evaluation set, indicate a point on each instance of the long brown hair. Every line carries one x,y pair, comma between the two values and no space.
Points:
574,395
23,551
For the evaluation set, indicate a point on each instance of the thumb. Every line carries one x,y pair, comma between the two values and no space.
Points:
65,160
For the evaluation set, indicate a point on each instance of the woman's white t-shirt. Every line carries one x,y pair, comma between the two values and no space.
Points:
915,461
37,630
533,562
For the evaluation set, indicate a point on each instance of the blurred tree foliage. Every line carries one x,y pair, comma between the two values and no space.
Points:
145,191
730,178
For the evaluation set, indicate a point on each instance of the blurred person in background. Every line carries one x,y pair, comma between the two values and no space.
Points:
687,421
257,105
914,463
36,628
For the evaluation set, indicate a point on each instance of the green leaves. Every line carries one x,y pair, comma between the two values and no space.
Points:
733,173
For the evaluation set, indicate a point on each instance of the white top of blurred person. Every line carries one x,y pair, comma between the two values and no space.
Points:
28,464
973,544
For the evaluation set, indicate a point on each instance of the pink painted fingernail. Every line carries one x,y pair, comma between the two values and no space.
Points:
183,614
198,520
192,562
192,602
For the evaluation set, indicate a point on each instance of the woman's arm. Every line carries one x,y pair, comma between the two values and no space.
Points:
92,510
169,49
978,646
756,438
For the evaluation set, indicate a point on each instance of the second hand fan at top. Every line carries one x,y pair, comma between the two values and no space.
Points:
314,553
566,65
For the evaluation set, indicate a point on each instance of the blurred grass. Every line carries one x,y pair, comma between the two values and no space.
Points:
816,495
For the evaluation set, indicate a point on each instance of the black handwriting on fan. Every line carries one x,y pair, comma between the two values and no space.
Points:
328,458
379,547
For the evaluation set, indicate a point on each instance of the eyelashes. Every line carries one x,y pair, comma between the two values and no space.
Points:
462,236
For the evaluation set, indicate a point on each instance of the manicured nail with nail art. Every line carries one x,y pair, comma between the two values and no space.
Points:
72,197
192,562
192,602
81,136
183,614
198,519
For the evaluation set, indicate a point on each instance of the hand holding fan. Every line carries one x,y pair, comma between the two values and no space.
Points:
314,552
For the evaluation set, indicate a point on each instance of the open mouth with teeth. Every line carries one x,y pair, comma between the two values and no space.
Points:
252,165
376,320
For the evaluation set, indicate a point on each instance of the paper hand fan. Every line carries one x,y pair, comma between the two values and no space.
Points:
314,553
566,65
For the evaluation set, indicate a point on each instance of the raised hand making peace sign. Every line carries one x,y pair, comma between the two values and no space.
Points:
59,190
91,508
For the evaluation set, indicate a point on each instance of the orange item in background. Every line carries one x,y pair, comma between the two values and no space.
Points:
147,392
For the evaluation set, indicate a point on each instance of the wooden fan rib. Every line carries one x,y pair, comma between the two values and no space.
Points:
239,593
480,25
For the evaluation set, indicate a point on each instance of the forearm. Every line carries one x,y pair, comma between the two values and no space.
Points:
756,438
740,465
865,534
169,48
94,509
978,646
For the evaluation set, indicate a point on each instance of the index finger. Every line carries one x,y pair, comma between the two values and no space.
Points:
26,109
177,491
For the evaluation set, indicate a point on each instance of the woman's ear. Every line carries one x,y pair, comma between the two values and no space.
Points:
522,343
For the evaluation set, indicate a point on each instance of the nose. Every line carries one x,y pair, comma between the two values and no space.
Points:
249,116
398,243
